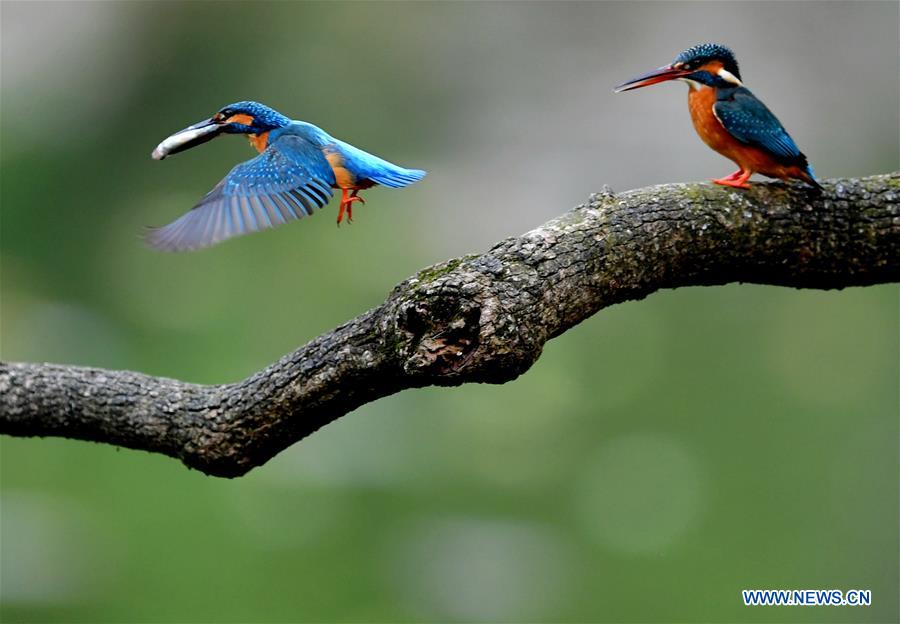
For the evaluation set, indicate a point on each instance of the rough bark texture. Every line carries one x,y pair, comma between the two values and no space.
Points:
481,318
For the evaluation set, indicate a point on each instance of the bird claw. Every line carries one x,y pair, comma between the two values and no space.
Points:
738,179
347,207
732,183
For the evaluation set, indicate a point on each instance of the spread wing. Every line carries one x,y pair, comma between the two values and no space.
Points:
289,180
750,121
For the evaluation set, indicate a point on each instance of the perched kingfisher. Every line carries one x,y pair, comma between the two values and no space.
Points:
298,166
729,118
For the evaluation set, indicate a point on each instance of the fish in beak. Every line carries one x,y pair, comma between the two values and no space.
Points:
192,136
667,72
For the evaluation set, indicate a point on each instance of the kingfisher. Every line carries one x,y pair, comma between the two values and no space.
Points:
729,118
298,167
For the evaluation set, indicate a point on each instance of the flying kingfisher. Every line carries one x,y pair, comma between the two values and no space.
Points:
729,118
298,166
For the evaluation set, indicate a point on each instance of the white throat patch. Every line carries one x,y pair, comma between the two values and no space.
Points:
693,84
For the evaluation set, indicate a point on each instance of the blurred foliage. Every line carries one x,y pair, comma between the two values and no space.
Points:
658,459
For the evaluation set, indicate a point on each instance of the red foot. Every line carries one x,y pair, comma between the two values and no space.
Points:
738,179
347,199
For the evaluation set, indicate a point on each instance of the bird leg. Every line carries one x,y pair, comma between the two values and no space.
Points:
738,179
348,196
734,175
353,197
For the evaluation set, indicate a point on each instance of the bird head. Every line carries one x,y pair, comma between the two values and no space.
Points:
707,64
251,118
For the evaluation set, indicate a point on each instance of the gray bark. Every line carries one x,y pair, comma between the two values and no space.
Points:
480,318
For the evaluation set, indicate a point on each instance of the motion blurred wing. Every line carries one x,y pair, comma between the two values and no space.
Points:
287,181
749,121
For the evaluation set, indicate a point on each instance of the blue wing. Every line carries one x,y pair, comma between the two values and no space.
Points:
368,166
749,121
289,180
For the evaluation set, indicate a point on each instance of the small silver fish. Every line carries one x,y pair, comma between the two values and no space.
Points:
190,137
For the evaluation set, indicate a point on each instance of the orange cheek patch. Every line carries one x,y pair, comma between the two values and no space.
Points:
712,67
240,118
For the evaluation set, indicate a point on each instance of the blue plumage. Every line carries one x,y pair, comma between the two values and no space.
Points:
697,55
378,170
294,174
286,182
264,118
750,121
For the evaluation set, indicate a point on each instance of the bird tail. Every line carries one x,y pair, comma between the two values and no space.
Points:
809,176
397,177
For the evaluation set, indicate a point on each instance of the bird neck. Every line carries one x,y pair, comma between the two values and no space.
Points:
259,141
693,85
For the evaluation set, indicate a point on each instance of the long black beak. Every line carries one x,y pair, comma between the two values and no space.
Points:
657,75
192,136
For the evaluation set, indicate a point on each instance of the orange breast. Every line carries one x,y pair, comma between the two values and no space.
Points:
710,129
259,141
342,176
714,134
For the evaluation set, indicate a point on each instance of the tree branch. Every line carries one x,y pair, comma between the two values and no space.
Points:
481,318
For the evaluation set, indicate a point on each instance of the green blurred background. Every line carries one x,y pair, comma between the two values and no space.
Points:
658,458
